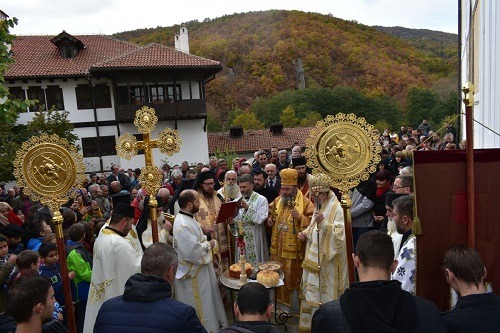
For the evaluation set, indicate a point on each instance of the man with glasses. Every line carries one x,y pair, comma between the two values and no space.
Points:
403,185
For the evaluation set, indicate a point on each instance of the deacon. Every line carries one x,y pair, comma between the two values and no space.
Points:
252,214
291,213
196,283
207,217
299,164
325,274
115,260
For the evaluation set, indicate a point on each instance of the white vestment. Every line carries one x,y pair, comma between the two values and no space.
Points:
329,282
196,283
256,249
395,236
115,260
163,235
406,271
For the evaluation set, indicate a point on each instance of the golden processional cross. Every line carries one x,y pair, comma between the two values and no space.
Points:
168,142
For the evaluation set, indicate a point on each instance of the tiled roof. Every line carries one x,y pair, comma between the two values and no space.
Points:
254,140
156,55
38,57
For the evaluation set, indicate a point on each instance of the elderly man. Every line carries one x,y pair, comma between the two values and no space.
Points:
115,260
196,283
176,181
273,182
291,213
252,214
230,190
326,248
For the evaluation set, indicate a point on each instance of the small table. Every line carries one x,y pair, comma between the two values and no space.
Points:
234,285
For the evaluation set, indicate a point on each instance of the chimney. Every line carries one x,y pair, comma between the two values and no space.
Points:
276,128
182,39
236,131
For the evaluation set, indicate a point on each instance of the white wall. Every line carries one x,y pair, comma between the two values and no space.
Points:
486,41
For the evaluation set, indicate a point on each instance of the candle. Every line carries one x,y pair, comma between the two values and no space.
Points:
240,228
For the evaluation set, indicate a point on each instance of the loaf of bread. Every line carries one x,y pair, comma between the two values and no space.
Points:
235,270
268,278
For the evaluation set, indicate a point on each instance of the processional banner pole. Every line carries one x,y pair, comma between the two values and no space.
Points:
468,100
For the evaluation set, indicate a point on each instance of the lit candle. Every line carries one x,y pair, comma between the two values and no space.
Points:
240,228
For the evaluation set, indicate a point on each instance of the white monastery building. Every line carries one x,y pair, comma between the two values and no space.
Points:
103,81
480,56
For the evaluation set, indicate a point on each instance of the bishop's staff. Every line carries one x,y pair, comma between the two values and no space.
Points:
168,142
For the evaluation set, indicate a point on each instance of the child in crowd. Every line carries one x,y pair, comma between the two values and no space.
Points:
26,261
37,230
7,262
50,268
79,261
13,234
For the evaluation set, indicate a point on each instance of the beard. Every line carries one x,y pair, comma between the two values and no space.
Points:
302,179
232,191
208,195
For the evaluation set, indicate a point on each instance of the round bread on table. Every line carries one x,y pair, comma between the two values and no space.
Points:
235,270
268,278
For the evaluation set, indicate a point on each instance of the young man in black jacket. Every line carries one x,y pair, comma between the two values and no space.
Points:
377,304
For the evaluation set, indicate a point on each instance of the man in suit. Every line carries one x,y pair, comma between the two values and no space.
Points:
118,176
273,182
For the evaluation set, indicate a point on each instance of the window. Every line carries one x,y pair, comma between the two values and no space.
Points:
84,96
46,96
108,146
54,97
157,94
170,90
137,95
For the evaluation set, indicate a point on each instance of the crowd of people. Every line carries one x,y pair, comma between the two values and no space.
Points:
119,278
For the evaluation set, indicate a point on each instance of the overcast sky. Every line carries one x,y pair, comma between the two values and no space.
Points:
50,17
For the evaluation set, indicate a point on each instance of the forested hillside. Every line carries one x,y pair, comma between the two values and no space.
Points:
270,57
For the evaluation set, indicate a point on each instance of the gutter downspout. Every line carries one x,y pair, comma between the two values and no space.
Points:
99,152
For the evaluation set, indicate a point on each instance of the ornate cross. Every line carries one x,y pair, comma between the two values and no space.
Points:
168,142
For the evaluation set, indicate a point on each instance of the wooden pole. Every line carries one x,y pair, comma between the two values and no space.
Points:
468,100
346,206
57,220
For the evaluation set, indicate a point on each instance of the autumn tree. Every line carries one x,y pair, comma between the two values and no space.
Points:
248,121
288,118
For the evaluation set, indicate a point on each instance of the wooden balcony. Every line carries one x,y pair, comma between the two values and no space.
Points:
184,109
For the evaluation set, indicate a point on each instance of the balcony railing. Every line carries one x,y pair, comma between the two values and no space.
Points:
183,109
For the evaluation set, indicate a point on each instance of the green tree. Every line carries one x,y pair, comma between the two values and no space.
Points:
288,118
10,107
248,121
311,119
52,122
